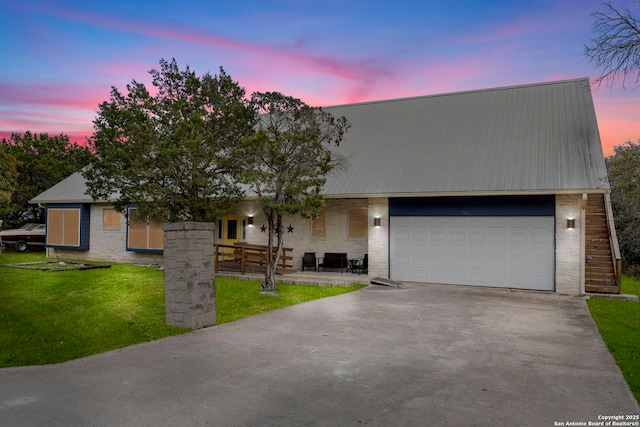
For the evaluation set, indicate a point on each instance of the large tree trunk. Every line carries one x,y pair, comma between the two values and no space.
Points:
275,228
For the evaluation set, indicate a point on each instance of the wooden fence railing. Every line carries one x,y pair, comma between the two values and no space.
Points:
244,254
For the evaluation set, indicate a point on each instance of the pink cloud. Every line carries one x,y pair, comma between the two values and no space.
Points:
617,112
615,132
48,108
53,95
295,69
37,120
294,58
78,138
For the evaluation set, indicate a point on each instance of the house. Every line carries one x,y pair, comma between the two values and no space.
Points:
501,187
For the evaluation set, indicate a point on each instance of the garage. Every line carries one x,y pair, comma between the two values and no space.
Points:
495,241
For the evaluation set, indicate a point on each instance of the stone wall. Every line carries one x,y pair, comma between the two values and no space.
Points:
569,245
379,238
189,277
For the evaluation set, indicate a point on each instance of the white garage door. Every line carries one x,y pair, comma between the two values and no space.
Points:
511,252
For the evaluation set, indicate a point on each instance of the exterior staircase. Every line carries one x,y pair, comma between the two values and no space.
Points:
603,263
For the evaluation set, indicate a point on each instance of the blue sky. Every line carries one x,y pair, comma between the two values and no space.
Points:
60,58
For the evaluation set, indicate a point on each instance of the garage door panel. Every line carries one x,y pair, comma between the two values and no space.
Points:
486,251
519,280
496,279
458,277
519,264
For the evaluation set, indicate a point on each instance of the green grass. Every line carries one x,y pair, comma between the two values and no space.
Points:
619,324
236,298
52,317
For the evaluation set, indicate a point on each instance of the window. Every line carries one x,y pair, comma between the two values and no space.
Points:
68,226
63,227
232,229
143,234
110,218
358,222
318,226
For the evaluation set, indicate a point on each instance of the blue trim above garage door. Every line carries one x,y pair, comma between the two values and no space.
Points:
540,205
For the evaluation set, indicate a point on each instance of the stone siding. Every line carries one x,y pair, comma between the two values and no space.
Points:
569,246
379,238
189,276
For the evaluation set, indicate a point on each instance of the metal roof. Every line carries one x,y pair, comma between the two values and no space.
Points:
533,138
539,137
70,190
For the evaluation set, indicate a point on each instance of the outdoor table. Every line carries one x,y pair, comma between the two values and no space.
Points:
351,263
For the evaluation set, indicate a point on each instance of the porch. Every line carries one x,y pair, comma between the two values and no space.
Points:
247,261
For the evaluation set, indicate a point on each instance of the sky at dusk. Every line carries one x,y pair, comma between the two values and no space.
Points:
60,58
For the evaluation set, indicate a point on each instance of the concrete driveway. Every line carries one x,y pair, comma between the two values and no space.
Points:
423,355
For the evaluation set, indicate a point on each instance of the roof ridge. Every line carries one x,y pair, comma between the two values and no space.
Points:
462,92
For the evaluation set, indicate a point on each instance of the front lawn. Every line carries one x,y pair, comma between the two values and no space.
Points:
51,317
619,324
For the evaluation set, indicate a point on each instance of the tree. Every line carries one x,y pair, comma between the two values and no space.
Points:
41,161
615,49
286,162
624,176
171,153
8,178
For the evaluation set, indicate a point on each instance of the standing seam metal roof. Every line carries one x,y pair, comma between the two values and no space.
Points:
538,137
532,138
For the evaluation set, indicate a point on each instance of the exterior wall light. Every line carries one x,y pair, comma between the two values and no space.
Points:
250,220
571,223
376,222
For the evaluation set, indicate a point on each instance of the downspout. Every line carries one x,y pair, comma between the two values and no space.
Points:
583,241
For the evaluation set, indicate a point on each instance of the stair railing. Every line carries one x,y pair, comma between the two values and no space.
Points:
613,240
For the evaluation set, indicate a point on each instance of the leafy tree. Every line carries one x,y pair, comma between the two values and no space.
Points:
286,162
170,153
624,176
615,48
8,178
41,161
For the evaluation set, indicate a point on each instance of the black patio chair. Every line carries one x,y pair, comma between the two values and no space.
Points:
361,266
309,260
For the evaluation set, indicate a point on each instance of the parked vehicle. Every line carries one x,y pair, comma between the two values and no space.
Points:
30,236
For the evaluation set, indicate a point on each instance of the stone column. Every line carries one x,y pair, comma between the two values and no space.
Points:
570,244
378,244
189,276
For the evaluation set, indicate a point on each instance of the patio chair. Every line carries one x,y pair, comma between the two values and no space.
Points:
333,260
309,260
362,266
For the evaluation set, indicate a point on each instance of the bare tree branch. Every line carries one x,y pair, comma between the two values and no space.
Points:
615,49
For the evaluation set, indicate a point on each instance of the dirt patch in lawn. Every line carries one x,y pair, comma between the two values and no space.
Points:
56,266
